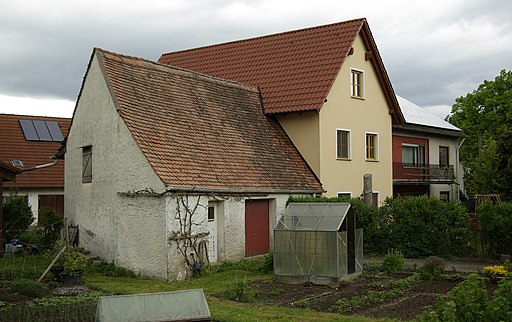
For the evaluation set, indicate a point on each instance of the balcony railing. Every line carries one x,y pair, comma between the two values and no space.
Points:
422,173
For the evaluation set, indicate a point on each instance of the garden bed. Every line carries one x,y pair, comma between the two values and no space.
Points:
375,296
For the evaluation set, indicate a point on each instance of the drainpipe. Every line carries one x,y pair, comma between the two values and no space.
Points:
41,166
457,165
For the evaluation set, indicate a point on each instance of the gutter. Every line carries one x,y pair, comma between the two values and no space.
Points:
238,191
457,152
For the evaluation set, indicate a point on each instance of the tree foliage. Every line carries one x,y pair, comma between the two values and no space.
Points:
16,216
485,116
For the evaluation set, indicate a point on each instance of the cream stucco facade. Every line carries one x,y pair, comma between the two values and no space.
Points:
133,231
314,133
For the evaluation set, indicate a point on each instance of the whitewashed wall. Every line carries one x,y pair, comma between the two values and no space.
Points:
128,231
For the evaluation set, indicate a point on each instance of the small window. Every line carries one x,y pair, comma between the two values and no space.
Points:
211,213
444,160
87,164
344,194
375,199
356,83
372,146
444,196
343,144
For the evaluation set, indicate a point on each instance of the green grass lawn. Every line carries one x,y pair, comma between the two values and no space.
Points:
211,282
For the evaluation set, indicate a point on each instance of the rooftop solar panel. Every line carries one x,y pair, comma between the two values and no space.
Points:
29,130
55,131
42,130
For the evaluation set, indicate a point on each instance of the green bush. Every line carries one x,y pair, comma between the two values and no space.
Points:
52,223
239,291
422,226
496,223
29,288
31,236
500,308
268,263
466,302
432,269
393,262
16,216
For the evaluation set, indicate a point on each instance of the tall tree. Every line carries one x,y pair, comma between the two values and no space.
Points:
485,116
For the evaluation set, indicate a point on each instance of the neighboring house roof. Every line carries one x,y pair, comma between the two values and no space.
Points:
294,70
15,146
415,115
203,132
8,172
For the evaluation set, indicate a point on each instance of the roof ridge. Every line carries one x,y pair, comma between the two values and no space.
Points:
264,36
188,72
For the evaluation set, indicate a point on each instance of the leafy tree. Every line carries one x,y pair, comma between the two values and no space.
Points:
16,216
485,116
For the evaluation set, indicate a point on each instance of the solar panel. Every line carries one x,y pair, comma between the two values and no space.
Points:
29,130
55,131
42,130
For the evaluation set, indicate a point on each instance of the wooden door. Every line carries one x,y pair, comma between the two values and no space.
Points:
256,227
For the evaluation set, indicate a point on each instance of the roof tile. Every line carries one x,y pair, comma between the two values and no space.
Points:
13,146
197,130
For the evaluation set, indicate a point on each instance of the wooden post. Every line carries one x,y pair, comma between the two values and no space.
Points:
367,190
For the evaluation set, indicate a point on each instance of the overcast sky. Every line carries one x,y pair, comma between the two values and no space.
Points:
434,51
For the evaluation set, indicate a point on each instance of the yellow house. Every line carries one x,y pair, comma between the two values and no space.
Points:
329,90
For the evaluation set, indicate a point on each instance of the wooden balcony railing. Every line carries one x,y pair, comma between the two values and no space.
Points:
423,173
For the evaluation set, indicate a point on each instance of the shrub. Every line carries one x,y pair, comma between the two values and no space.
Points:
29,288
466,302
432,269
16,216
268,263
52,223
500,308
422,226
31,236
239,291
393,262
496,223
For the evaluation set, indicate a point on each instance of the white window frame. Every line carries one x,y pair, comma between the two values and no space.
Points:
376,147
349,144
361,86
343,192
378,198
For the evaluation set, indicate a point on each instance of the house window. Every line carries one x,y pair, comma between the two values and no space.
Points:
211,213
372,142
413,155
375,199
444,160
356,83
444,196
344,194
343,144
87,164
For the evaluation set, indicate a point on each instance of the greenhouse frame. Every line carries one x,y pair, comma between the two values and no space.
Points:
320,243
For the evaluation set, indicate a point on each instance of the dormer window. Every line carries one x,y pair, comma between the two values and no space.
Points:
357,83
17,163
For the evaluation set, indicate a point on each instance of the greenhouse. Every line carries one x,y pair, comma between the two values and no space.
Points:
320,243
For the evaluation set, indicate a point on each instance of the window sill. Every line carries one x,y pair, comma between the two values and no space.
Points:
357,97
344,159
371,160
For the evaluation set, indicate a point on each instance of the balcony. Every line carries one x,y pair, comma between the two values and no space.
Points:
432,173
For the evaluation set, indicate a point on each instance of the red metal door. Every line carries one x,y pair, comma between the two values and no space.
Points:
256,227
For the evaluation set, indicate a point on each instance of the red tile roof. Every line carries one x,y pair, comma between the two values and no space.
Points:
204,132
13,146
294,70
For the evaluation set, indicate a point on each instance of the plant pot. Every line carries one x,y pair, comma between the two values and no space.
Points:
75,279
57,272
